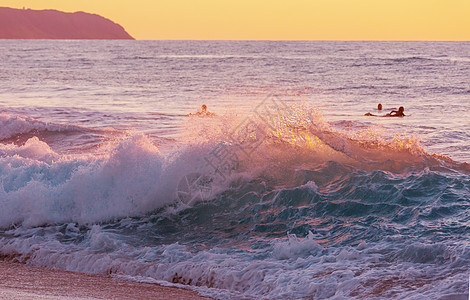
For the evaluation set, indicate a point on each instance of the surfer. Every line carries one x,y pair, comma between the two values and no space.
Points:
203,112
397,113
379,107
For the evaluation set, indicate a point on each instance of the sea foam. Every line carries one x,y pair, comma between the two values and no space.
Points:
39,186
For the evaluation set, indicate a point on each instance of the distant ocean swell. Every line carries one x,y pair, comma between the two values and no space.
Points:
13,126
360,211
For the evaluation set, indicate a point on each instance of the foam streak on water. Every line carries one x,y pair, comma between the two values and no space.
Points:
99,163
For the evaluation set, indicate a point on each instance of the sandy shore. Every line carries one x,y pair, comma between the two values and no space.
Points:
18,281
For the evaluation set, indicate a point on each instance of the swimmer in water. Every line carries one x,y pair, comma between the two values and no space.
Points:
203,112
379,107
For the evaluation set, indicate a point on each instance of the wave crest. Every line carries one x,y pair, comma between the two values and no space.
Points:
35,191
11,126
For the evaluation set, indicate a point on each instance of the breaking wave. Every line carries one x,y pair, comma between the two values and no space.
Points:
131,177
285,207
13,126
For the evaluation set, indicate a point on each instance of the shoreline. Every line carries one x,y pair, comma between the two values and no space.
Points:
19,281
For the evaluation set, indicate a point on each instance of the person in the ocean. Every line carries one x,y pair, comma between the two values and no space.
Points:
203,112
379,107
397,113
394,113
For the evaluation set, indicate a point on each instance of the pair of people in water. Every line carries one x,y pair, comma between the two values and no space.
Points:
394,113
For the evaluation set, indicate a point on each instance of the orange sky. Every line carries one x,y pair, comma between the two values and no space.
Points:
277,20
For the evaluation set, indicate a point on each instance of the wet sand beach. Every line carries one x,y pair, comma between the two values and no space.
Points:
18,281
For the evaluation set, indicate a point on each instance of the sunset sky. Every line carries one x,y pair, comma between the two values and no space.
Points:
277,20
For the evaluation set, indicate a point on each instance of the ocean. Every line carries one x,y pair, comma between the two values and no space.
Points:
286,191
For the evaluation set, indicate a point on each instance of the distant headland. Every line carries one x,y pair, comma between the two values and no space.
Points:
53,24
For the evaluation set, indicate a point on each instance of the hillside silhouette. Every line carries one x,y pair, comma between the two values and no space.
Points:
53,24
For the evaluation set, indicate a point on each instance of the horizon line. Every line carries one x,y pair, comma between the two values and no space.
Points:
246,40
303,40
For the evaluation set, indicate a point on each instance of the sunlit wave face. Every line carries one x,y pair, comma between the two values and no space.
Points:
298,136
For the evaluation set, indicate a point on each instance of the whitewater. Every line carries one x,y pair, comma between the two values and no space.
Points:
287,192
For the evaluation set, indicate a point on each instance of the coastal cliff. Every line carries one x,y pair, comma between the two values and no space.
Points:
53,24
